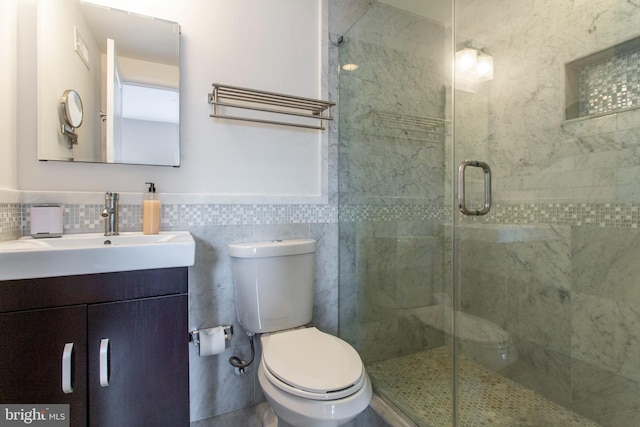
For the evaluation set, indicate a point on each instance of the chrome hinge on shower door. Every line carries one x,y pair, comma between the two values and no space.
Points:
461,188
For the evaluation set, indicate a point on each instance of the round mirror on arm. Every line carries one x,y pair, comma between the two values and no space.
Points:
71,106
71,111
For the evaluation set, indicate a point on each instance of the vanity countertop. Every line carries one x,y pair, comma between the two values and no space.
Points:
91,253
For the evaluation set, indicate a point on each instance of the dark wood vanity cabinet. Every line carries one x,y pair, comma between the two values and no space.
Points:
129,361
31,347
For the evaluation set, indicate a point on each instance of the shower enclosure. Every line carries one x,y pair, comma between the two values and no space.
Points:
528,315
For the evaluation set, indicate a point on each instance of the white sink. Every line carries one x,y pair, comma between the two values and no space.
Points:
73,254
91,240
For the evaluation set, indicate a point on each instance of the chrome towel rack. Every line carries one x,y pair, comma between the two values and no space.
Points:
403,121
271,103
401,127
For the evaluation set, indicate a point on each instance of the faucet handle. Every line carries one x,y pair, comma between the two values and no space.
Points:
110,214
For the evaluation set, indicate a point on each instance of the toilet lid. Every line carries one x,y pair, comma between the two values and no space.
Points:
311,360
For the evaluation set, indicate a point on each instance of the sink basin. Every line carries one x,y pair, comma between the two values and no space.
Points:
90,253
91,240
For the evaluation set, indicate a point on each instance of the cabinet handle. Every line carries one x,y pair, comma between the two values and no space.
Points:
104,362
67,356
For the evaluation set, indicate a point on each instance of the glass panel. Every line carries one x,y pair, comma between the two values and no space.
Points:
546,297
543,289
393,208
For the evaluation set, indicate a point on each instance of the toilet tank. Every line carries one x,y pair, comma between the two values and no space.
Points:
273,283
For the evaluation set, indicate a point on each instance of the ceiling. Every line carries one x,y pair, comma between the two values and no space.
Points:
437,10
136,36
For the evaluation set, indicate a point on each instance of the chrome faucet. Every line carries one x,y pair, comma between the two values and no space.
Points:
110,214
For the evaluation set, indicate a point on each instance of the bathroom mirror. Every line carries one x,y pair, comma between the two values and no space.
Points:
124,67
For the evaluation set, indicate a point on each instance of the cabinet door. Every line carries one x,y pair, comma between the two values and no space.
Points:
148,363
32,344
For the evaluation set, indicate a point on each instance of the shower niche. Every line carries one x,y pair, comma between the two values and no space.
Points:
604,82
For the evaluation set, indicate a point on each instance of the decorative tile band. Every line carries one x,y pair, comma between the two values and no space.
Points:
614,215
87,218
15,218
359,213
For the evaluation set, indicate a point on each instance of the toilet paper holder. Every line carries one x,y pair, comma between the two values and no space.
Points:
194,336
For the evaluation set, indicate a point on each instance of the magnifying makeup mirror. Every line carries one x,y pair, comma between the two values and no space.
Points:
72,114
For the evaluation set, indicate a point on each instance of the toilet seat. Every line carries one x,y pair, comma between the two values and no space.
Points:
312,364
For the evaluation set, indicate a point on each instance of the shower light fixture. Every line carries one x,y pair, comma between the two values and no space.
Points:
484,67
466,59
473,66
349,67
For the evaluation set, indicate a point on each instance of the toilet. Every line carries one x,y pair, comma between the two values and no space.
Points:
480,339
310,378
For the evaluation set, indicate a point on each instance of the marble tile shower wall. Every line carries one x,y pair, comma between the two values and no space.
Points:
386,268
555,261
568,297
389,147
564,287
515,122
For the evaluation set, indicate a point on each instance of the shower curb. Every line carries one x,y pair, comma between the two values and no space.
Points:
389,413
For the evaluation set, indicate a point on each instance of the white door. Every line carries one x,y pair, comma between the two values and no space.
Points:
114,104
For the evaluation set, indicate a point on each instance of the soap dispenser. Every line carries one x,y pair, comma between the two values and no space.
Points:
151,211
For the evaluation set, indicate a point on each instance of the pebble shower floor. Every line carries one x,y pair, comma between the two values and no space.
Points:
420,385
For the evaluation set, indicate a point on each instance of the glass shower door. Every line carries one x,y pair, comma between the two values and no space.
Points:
545,300
392,201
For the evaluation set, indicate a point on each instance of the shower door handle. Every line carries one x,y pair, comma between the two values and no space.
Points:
487,188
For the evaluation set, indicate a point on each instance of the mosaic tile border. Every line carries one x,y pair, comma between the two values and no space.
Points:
360,213
15,218
87,218
614,215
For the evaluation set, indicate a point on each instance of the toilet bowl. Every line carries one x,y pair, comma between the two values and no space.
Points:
480,339
310,378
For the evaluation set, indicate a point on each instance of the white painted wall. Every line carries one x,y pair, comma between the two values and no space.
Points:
8,59
274,46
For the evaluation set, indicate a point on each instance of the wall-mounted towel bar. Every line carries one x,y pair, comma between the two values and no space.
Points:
270,103
400,120
401,127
